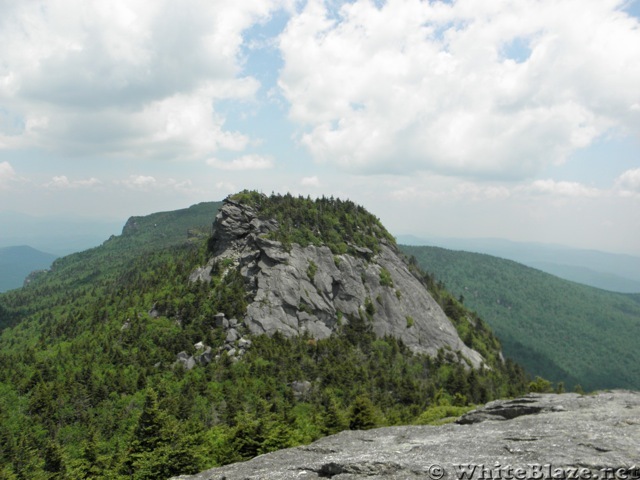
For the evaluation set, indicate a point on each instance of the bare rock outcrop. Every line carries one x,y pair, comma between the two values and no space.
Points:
555,436
309,289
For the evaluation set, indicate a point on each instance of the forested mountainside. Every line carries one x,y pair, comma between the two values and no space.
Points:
559,329
608,271
131,360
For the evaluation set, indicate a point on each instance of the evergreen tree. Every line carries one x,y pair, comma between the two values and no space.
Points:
148,453
540,385
247,437
53,460
334,419
363,414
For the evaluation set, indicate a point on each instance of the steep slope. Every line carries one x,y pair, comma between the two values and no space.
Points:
555,328
309,289
18,262
131,360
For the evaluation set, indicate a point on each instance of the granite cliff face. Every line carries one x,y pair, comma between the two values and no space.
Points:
309,289
533,437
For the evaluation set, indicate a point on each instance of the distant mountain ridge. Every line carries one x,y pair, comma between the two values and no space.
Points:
19,261
56,234
556,328
609,271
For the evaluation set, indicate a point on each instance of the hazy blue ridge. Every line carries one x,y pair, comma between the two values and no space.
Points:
555,328
55,234
19,261
609,271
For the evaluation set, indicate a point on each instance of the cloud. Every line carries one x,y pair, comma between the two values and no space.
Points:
226,188
310,181
61,181
136,78
246,162
479,89
628,183
427,187
148,183
566,189
140,182
7,174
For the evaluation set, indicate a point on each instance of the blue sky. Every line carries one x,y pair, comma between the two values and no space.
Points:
514,119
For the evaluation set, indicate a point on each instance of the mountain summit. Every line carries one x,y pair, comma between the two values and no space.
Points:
176,347
305,283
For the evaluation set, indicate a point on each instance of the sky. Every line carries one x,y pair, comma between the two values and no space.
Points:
515,119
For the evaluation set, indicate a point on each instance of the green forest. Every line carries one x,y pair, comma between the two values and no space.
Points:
89,386
341,225
564,331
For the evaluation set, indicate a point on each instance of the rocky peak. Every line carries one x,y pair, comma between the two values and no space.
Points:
296,289
234,222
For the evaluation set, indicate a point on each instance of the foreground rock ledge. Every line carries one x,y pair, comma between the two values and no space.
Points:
568,430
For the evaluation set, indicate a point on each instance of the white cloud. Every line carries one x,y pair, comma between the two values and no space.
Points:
628,183
489,89
140,182
406,193
226,188
566,189
245,162
184,185
7,174
62,181
474,191
137,78
148,183
427,187
310,181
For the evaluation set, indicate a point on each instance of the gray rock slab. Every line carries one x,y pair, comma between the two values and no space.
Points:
568,432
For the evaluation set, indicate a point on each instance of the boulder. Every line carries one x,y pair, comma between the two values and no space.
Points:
232,335
205,357
220,321
301,389
185,360
201,274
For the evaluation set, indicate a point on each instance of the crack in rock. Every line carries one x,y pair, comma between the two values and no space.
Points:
332,469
